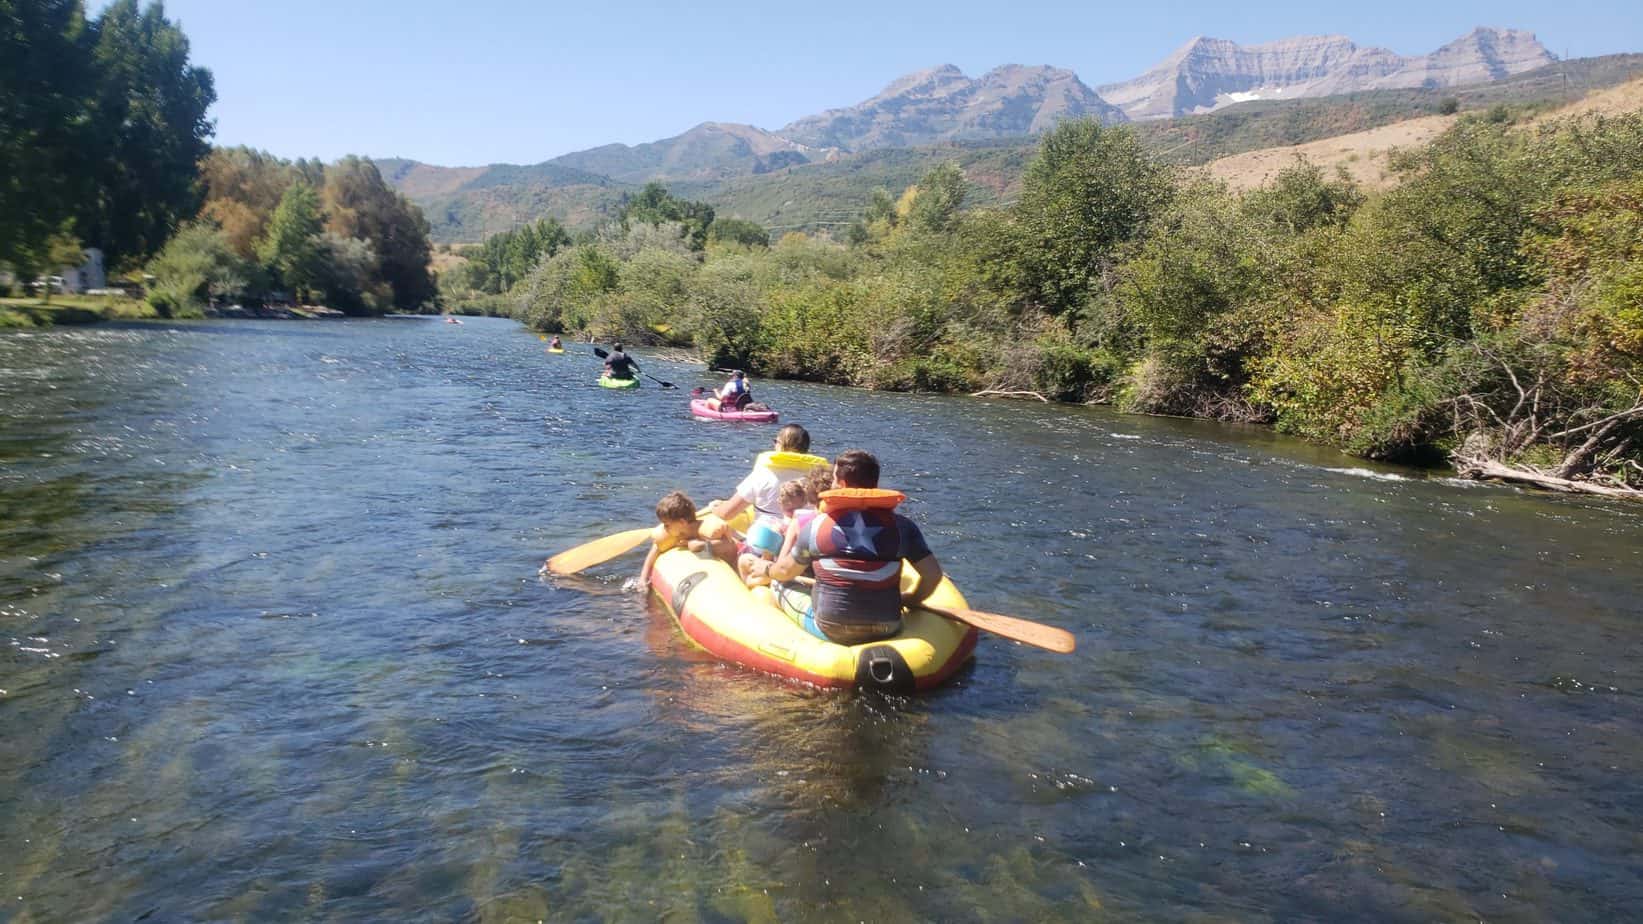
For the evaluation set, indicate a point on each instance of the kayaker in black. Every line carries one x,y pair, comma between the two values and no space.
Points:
619,365
856,548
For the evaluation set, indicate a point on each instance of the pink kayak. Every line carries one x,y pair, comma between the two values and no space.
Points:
700,409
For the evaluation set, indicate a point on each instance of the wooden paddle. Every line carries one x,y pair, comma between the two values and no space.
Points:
597,552
1021,630
600,551
1014,628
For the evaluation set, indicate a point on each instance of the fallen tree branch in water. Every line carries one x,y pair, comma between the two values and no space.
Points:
1003,393
1481,469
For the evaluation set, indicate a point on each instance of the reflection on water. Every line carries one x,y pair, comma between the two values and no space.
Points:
275,648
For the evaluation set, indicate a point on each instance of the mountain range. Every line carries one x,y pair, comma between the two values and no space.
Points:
943,105
1208,73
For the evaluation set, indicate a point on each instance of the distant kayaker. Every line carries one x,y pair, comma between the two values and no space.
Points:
554,344
619,365
856,547
732,395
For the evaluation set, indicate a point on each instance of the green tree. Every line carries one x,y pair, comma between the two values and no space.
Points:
45,158
936,204
1089,190
198,263
559,294
359,204
654,205
148,114
738,231
291,248
1300,198
347,271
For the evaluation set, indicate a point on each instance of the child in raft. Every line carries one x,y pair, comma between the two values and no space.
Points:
676,526
766,535
820,479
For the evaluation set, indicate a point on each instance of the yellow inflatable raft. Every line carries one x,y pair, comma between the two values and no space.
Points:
718,612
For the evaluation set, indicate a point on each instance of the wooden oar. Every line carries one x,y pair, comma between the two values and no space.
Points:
600,551
1015,628
1024,631
597,552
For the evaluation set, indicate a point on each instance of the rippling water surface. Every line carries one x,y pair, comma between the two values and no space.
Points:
275,648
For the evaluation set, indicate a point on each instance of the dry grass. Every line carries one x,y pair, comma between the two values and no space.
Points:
1365,154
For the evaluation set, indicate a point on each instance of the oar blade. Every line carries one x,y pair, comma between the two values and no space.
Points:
1024,631
597,552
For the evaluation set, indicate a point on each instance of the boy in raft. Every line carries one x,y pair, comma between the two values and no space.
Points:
732,395
856,545
554,344
766,536
676,525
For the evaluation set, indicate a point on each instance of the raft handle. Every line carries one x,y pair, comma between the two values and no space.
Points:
881,669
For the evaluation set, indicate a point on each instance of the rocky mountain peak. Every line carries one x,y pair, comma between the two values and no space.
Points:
942,104
1208,73
932,81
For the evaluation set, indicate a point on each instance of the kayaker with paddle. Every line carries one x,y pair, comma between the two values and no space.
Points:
732,395
856,547
554,344
619,365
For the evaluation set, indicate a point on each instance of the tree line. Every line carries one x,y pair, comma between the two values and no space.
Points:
104,142
337,234
1489,306
102,126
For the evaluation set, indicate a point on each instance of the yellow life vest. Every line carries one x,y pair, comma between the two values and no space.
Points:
774,461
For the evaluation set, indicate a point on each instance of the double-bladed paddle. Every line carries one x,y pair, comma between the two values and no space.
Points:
603,355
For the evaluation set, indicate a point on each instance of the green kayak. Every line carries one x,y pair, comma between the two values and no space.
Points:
606,381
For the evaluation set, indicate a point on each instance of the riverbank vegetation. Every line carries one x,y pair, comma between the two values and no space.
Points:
111,150
1488,307
336,234
71,309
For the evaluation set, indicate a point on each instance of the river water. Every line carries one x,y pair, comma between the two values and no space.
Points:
275,648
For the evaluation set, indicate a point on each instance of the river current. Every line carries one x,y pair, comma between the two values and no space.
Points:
273,646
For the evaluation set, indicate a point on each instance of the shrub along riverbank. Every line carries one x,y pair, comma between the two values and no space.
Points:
1489,307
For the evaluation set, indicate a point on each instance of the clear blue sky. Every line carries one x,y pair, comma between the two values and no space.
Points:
520,81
